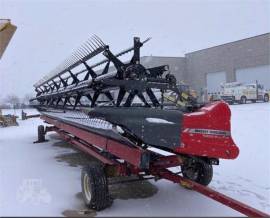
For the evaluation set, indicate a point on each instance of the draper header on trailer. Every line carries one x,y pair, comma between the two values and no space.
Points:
119,116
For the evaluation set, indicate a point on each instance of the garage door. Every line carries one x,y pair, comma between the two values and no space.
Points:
250,75
213,81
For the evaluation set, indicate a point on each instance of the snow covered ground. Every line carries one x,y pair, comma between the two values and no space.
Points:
42,179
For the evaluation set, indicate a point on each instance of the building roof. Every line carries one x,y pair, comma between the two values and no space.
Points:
227,43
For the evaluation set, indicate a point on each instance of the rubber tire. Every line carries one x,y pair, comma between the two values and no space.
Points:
233,100
243,100
41,133
266,98
98,184
205,172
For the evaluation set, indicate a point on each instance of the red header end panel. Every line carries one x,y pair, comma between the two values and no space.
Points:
207,132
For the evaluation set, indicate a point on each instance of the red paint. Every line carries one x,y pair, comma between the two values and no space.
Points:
158,166
167,162
214,116
217,196
86,148
131,154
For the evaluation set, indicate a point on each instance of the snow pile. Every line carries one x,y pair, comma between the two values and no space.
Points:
158,120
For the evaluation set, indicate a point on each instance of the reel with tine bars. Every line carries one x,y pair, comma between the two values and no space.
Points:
120,83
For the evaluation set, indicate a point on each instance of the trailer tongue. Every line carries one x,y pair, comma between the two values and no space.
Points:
120,116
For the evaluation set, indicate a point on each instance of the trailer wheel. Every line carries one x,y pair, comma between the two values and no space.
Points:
198,170
230,102
41,133
266,98
233,100
243,100
95,187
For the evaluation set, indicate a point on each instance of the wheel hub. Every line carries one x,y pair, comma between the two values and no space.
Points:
135,72
87,188
192,173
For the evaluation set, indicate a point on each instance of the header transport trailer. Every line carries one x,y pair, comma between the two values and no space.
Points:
116,117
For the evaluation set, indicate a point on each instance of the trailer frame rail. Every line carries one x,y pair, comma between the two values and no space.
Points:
138,161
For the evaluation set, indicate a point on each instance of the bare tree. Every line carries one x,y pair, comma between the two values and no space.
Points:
13,100
27,98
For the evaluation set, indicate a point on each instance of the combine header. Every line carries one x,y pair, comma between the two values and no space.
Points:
116,111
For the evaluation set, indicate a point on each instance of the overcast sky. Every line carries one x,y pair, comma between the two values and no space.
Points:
49,30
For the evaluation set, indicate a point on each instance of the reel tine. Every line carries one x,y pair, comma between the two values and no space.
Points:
65,66
65,63
81,52
73,58
94,43
90,49
88,43
77,56
70,59
99,40
95,47
68,62
86,48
